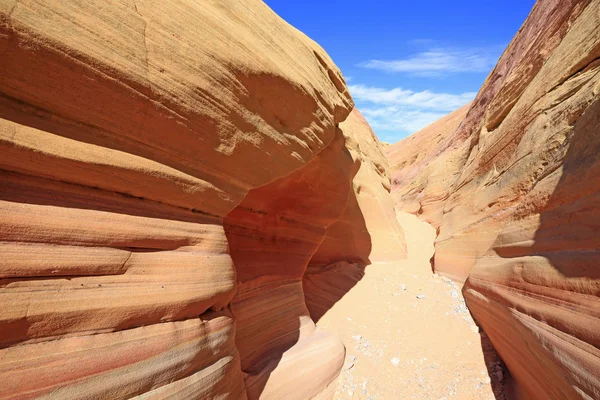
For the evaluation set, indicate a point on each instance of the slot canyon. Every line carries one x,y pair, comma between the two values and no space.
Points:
192,207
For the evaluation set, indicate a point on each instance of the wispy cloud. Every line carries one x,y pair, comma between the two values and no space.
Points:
440,61
400,97
392,123
395,113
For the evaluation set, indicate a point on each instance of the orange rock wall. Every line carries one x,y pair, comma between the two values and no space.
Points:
283,235
272,235
168,172
423,167
519,214
367,230
130,132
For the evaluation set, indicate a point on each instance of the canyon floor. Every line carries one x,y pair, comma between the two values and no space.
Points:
409,335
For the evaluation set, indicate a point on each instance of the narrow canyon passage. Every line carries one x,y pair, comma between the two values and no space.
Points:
194,207
408,333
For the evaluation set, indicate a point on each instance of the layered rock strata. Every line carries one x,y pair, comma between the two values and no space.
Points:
423,168
136,142
519,204
272,235
168,172
367,231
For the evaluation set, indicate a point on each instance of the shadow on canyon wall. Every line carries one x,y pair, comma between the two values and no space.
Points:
296,227
569,223
503,385
557,272
340,262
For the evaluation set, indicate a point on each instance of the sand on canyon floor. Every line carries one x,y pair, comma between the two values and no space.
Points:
409,335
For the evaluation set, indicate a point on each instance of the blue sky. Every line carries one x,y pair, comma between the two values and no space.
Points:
408,63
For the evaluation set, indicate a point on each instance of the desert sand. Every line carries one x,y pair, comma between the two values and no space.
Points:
191,207
408,333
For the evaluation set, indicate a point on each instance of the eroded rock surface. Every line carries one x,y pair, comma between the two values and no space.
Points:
167,172
367,230
519,202
272,235
421,165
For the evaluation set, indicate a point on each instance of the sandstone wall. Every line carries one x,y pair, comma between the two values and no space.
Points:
520,211
272,235
367,230
424,166
167,173
129,131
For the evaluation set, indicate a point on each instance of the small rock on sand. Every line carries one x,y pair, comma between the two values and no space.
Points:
348,363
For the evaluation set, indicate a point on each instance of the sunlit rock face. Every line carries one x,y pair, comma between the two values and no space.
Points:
424,166
520,202
166,169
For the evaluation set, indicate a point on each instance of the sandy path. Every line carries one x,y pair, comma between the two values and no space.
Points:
408,333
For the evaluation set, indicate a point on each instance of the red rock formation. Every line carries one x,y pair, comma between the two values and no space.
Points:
153,156
323,211
520,203
272,235
366,231
168,173
422,167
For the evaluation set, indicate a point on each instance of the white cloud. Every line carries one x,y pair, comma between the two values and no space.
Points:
440,61
395,113
400,97
399,121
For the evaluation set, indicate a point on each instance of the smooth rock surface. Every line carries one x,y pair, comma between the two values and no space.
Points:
519,211
130,131
367,230
272,235
420,168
